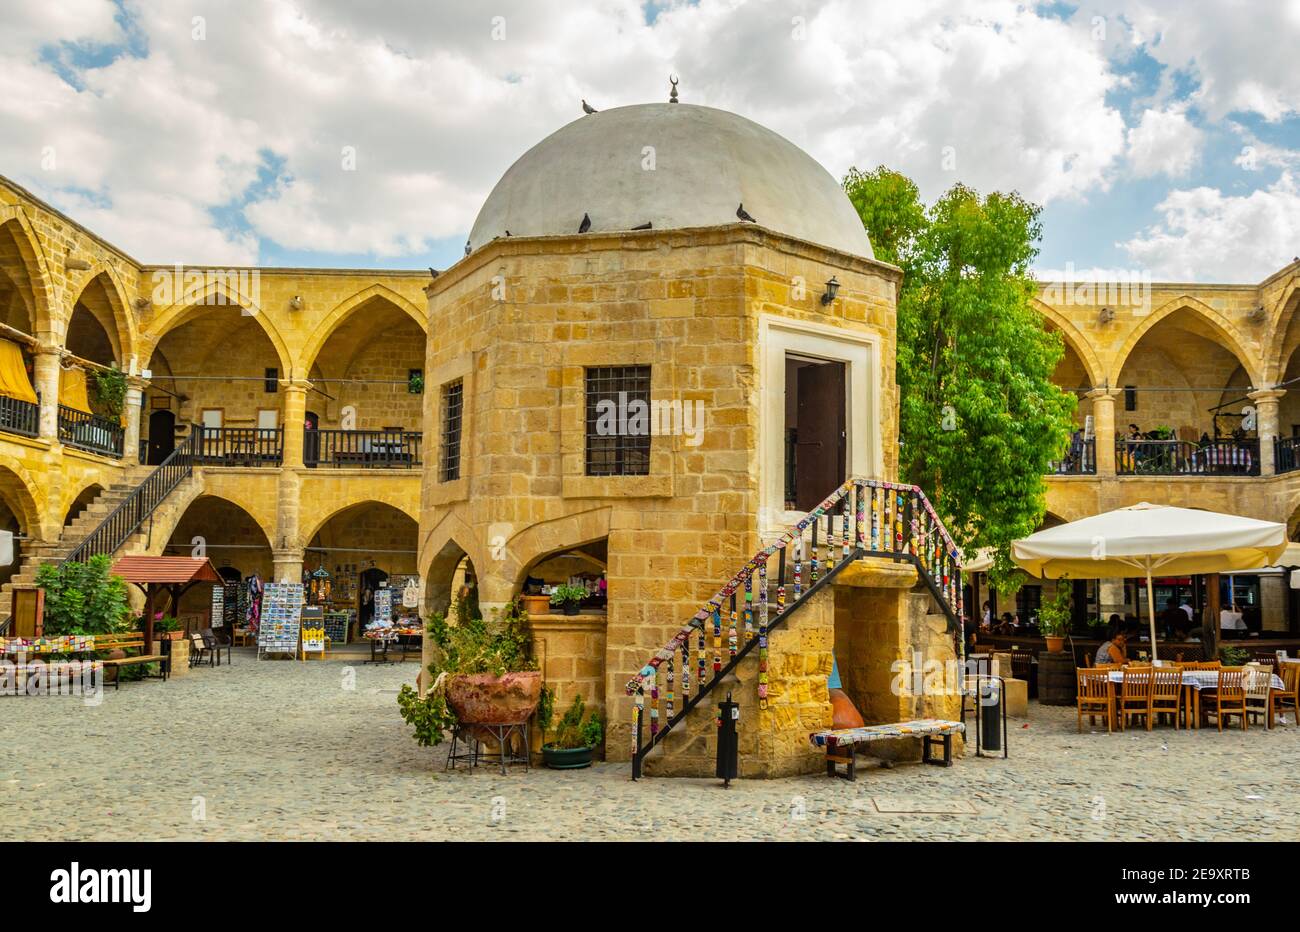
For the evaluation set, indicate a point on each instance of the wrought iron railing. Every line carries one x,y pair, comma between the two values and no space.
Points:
1286,454
124,520
240,446
367,449
862,518
1079,460
19,417
90,432
1186,458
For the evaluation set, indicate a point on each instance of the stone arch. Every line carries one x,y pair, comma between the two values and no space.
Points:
21,494
539,541
1278,358
1074,340
1224,330
14,223
181,313
365,497
124,333
345,308
172,517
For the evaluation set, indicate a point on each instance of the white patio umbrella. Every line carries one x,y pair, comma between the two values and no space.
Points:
1150,538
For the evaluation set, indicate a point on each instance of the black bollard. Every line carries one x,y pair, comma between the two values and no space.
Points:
728,744
990,698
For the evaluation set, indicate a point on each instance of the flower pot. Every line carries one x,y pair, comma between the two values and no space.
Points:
1054,644
481,698
566,758
171,635
537,604
570,608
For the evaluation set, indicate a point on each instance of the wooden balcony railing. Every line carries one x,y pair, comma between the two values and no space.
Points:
362,449
90,432
239,446
1186,458
19,417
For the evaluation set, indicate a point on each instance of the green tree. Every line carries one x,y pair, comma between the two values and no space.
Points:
83,598
980,418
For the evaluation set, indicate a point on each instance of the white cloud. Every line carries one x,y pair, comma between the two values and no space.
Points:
1205,235
436,107
1240,53
1164,142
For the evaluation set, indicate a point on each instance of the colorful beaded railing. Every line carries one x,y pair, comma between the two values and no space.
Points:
862,518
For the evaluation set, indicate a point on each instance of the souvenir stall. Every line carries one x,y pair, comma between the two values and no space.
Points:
357,602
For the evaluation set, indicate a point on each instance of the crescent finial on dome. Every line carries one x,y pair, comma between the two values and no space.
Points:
672,96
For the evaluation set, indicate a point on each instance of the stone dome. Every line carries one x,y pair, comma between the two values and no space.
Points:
706,163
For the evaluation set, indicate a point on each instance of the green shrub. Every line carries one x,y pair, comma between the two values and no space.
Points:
576,729
83,598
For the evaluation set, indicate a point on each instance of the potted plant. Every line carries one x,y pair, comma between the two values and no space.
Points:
485,674
165,627
539,604
415,382
110,390
576,737
570,597
1054,617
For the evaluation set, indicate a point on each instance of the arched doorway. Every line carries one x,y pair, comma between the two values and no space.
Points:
229,536
360,550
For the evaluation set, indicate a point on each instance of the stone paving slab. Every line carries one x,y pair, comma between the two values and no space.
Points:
283,750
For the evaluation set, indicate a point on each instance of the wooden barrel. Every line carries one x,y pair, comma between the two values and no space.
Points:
1057,684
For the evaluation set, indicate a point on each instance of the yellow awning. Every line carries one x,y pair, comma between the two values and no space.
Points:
72,390
13,374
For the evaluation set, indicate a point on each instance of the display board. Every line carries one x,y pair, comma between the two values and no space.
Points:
337,625
217,619
383,606
313,630
281,622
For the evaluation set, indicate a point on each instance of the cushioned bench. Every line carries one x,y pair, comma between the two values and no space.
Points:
841,744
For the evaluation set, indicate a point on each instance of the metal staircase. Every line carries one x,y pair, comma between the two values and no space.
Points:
862,518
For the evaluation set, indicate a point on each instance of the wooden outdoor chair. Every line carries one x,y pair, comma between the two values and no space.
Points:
1288,697
1095,695
1167,692
1136,696
1229,698
1259,692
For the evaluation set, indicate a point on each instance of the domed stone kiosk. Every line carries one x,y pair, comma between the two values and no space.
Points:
623,363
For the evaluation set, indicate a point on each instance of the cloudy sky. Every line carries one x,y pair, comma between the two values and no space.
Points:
1159,135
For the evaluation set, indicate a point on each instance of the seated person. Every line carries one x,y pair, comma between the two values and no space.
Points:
1112,651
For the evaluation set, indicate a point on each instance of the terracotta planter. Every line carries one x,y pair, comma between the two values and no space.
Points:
537,604
1054,644
481,698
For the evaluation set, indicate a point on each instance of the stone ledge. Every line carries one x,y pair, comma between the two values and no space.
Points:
877,573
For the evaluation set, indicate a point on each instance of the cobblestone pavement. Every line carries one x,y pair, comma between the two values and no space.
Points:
283,750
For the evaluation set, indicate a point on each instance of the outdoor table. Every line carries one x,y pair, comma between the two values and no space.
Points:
1193,682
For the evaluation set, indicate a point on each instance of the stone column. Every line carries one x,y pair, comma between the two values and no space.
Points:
287,548
292,419
134,398
1266,410
1103,426
287,565
47,387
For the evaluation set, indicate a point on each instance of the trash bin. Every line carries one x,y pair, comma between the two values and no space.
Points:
728,745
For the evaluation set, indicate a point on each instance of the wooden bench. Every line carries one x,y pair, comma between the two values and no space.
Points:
841,744
133,640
